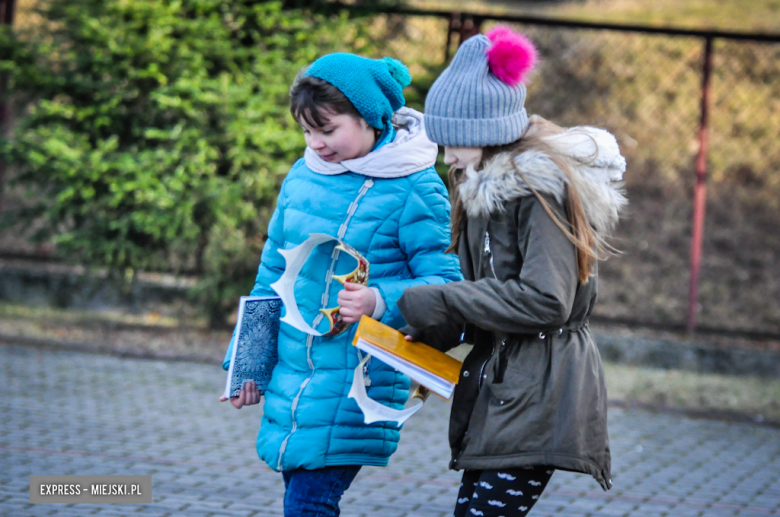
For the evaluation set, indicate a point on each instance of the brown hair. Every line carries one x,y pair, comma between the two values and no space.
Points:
590,246
313,99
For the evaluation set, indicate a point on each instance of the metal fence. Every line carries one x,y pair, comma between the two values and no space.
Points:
692,110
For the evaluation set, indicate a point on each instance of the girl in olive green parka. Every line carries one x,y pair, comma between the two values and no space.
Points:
532,206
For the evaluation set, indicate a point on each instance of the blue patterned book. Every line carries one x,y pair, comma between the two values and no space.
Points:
255,350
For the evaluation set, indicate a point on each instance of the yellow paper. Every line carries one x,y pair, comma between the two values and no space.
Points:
419,354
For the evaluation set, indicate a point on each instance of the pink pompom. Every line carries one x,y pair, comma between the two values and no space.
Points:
512,56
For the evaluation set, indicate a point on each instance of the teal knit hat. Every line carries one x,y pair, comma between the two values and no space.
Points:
373,86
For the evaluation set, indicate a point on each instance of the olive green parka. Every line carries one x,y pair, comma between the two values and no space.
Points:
532,389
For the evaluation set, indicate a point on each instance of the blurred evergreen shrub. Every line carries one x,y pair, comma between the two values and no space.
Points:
155,134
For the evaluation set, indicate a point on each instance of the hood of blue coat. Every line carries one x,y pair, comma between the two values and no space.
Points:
597,171
411,151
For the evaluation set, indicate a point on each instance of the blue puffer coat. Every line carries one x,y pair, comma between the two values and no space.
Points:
393,208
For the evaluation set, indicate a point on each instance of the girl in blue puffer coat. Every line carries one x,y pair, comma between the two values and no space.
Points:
366,178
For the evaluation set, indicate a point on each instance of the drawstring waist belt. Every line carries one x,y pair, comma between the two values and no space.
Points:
500,337
567,329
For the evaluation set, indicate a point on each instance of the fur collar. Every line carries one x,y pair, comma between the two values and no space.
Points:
597,167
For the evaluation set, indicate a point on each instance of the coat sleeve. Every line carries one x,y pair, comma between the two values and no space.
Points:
423,236
540,299
272,263
448,335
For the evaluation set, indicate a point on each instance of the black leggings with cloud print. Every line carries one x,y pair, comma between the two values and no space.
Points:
497,493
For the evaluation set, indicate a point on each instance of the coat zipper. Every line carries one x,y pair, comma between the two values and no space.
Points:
324,302
487,251
482,370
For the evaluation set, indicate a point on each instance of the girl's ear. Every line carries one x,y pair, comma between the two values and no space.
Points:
365,127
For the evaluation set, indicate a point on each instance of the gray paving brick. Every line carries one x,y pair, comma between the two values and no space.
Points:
201,454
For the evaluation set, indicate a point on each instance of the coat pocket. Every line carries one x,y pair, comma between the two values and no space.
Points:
522,373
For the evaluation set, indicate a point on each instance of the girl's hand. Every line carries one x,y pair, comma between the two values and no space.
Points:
249,396
411,333
419,391
356,300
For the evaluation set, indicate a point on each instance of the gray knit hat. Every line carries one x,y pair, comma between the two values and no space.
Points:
470,105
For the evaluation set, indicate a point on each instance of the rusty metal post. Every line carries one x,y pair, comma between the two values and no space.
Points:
700,190
454,25
466,27
464,22
477,25
8,8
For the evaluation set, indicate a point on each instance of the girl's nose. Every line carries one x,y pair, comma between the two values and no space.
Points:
449,157
316,143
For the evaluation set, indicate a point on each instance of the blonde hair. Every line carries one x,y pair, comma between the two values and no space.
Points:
589,244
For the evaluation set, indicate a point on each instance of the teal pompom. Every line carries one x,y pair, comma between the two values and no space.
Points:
398,71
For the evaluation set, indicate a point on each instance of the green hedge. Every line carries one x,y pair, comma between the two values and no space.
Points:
155,134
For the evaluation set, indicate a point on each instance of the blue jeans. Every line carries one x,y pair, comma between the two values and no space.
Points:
316,493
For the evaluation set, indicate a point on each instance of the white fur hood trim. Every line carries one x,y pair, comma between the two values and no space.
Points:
598,166
410,152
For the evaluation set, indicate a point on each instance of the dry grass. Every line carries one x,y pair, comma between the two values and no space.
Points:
140,335
25,17
754,397
739,282
149,335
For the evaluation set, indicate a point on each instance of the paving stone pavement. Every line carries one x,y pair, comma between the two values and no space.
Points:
75,413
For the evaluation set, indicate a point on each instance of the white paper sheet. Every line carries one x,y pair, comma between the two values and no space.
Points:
285,286
372,410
